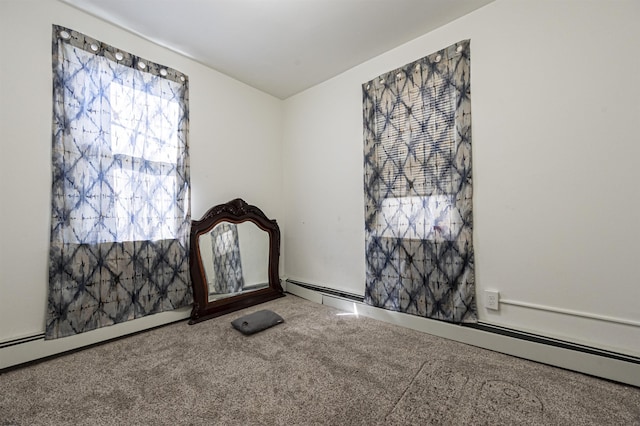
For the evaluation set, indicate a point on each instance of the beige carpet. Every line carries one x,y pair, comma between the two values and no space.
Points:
319,367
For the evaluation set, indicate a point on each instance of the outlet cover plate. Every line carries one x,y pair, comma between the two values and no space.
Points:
492,300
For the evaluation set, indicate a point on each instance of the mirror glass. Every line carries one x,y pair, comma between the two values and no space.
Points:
235,258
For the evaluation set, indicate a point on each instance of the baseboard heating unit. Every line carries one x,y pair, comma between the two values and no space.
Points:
597,362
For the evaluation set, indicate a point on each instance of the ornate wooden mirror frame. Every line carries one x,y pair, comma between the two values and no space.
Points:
236,212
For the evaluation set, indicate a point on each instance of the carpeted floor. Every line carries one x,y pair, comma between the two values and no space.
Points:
318,367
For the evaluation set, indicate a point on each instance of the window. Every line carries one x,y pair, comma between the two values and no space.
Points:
145,185
417,149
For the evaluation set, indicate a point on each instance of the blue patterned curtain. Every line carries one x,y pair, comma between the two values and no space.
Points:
120,214
418,193
227,265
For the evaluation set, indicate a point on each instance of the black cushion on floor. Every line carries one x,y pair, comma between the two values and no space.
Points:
257,321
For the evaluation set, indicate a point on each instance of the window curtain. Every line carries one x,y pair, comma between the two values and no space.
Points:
120,214
418,188
227,264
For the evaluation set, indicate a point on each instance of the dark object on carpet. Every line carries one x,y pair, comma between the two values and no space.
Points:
256,321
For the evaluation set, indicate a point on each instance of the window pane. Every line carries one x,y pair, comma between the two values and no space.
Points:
143,125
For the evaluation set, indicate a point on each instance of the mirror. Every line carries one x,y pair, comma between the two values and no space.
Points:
234,259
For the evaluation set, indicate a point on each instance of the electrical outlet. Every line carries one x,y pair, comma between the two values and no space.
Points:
492,300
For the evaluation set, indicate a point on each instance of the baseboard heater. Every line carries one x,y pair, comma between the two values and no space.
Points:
30,350
536,338
621,363
326,290
21,340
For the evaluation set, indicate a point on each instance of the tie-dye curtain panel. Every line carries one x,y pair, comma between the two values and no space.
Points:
120,213
418,193
227,264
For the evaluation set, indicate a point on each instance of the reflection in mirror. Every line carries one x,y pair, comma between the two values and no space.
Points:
235,259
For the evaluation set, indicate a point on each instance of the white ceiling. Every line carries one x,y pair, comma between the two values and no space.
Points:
281,47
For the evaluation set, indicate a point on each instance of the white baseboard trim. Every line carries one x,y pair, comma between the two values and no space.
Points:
596,365
26,350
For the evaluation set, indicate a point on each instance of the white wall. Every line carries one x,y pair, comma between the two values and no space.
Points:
556,105
235,141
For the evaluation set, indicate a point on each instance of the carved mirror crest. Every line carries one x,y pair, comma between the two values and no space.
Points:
234,257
